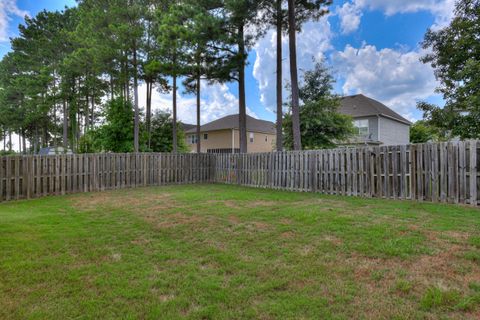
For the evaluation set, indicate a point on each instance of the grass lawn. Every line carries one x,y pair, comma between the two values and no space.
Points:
227,252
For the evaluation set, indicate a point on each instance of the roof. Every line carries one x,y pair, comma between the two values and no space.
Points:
231,122
362,106
186,126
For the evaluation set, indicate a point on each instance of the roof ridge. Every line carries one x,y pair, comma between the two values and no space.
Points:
376,107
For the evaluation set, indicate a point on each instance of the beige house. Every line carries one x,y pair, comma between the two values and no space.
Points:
222,136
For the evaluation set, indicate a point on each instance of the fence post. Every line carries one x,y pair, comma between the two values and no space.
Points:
473,173
313,170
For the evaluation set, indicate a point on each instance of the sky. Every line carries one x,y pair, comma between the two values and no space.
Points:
371,47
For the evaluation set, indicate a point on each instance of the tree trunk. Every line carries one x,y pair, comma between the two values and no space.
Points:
77,137
111,88
45,136
10,140
24,142
174,107
65,125
127,79
86,116
297,140
92,113
242,109
149,112
35,141
135,101
198,115
279,77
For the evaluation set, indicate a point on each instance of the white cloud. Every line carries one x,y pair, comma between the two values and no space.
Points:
8,8
216,101
313,41
441,9
393,76
349,15
396,78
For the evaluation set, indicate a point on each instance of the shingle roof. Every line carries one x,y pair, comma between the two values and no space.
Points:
231,122
362,106
186,126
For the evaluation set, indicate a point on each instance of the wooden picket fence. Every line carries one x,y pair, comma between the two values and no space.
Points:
24,177
437,172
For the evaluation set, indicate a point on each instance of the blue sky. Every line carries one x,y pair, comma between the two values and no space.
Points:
371,46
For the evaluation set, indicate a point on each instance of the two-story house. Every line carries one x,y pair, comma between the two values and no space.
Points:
376,124
222,136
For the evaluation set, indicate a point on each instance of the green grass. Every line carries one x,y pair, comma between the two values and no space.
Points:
227,252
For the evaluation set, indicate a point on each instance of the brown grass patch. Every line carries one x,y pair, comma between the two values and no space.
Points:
286,221
125,199
237,204
378,276
227,203
334,240
260,225
234,219
140,241
166,221
287,235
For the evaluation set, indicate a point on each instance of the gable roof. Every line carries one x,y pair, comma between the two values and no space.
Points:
361,106
186,126
231,122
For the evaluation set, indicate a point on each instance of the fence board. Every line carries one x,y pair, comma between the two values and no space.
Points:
430,172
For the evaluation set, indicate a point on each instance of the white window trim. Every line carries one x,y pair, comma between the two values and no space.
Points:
358,125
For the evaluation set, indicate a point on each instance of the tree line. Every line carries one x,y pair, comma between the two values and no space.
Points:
71,70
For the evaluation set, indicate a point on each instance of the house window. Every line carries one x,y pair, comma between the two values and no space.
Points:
251,136
205,136
361,127
192,139
266,138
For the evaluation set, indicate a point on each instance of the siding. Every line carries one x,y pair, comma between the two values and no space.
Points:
393,132
222,139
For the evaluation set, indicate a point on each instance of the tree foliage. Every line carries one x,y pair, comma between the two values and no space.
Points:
73,76
162,140
321,125
421,132
455,57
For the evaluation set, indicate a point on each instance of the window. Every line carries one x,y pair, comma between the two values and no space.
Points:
205,136
266,138
361,127
192,139
251,136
